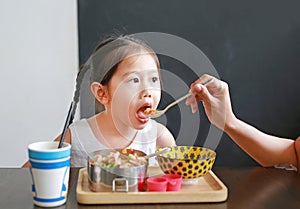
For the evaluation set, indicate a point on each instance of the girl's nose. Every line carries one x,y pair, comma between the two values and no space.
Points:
146,93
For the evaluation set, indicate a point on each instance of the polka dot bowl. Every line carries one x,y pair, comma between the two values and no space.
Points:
188,161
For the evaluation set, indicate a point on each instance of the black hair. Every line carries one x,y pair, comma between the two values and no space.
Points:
111,52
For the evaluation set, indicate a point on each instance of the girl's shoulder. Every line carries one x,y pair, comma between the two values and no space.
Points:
160,127
164,136
81,129
79,123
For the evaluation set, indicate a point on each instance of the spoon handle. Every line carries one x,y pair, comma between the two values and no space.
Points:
167,149
184,97
178,100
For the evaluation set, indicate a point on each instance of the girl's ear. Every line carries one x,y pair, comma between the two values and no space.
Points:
100,92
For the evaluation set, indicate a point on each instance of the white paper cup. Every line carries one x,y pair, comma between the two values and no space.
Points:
50,168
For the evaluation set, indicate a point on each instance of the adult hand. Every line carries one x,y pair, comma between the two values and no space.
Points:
215,98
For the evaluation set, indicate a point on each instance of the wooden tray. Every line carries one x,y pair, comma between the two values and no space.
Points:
208,188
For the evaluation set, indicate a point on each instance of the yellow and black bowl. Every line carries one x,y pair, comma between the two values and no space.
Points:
188,161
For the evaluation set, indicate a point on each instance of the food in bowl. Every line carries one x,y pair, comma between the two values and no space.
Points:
108,170
116,159
188,161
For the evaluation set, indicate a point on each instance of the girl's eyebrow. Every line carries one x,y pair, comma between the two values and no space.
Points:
138,72
129,73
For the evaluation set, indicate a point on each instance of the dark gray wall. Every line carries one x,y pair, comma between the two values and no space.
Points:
254,45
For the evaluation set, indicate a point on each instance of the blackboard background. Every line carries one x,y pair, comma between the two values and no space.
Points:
254,46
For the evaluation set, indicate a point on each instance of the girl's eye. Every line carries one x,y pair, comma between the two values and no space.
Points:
154,79
134,80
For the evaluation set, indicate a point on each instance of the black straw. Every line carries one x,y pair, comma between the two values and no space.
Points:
67,123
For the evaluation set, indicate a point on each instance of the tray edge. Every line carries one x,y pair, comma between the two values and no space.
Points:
219,196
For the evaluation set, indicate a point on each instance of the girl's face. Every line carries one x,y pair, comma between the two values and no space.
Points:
134,87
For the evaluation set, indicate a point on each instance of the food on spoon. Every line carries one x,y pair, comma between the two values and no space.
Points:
149,111
115,160
131,151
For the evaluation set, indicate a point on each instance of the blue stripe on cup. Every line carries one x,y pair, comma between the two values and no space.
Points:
48,199
50,165
49,155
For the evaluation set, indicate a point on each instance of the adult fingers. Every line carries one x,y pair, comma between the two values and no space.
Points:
191,101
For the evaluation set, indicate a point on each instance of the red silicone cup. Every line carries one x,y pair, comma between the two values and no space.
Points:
157,184
174,181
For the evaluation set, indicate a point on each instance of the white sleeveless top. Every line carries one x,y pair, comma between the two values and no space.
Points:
84,141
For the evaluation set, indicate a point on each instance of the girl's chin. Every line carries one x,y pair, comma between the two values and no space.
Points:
139,125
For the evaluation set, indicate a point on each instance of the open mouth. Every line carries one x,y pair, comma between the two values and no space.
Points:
141,111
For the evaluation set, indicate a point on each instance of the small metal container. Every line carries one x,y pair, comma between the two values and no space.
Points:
116,179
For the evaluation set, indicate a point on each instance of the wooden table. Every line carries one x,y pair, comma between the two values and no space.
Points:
251,187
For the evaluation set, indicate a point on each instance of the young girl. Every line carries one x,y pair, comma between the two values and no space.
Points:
125,79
